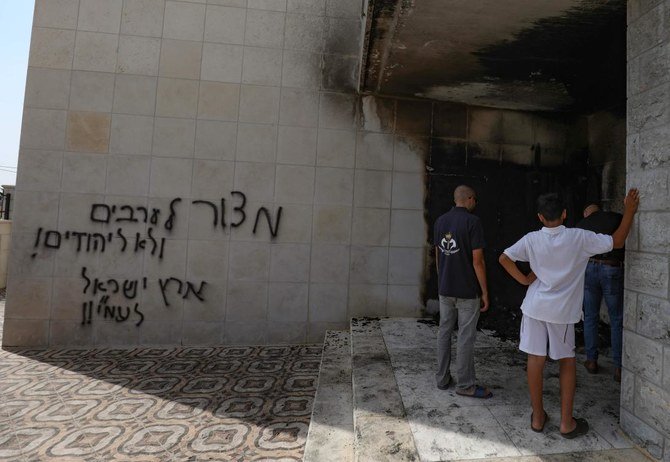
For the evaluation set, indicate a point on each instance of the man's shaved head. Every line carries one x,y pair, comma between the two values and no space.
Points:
462,193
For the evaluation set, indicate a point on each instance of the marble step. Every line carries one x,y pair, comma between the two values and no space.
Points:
382,432
331,429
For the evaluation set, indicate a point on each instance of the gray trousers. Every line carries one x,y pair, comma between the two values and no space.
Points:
466,310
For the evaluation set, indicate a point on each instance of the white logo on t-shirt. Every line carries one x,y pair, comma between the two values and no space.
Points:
448,245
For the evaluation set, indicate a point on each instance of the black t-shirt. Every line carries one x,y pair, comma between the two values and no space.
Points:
457,234
604,223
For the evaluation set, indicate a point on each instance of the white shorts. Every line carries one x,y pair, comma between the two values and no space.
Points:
537,335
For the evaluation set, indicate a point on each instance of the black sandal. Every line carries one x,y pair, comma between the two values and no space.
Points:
541,429
582,428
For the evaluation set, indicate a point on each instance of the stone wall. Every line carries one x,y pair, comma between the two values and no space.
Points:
645,403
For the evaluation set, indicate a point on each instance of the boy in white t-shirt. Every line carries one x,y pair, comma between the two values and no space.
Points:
553,304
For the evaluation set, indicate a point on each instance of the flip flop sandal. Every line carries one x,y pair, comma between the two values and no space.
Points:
480,392
582,428
541,429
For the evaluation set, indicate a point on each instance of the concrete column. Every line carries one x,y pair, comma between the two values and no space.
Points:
645,403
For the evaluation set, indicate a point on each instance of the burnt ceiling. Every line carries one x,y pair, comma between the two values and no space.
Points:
558,55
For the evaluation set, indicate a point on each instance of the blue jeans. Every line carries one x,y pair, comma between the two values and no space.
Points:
466,311
603,281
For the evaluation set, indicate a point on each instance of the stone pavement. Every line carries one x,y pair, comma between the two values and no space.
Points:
177,404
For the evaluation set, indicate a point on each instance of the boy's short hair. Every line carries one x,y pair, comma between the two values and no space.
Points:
550,206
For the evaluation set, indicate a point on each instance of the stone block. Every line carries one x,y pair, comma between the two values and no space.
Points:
139,55
218,101
330,265
653,185
485,125
177,98
646,32
406,265
30,298
47,88
114,334
207,261
372,188
112,264
450,120
52,48
100,16
143,17
367,300
92,91
233,3
256,142
637,8
404,301
649,109
408,228
25,332
666,369
261,66
88,131
136,94
642,434
652,404
343,36
332,224
305,33
180,59
212,179
70,334
225,24
653,232
317,330
294,184
259,104
289,262
237,333
95,51
296,145
647,273
648,70
159,332
328,302
74,213
202,333
301,69
643,357
264,29
170,177
256,180
173,137
374,151
408,191
653,318
517,128
334,186
633,240
56,14
180,224
344,8
409,154
43,129
414,117
34,210
628,390
212,309
131,135
215,140
298,107
370,226
67,299
518,154
83,173
247,301
22,264
630,310
173,264
272,5
309,7
369,265
286,333
336,148
337,110
184,21
222,63
296,224
377,114
128,175
287,302
39,170
155,308
249,261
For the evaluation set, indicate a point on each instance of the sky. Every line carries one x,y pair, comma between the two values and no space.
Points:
16,18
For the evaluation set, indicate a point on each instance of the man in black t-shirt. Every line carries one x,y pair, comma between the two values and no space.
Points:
604,279
459,253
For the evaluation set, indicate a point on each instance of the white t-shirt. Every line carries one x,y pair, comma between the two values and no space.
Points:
558,257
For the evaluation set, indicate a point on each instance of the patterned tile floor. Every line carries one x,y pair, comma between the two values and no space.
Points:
179,404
